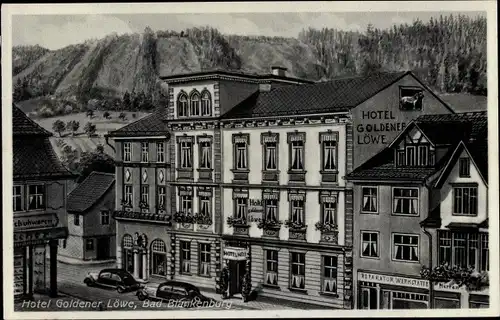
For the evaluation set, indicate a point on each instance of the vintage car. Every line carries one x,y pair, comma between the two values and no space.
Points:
118,279
181,292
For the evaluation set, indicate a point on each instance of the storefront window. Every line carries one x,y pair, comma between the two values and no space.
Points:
368,298
443,303
159,258
128,254
408,300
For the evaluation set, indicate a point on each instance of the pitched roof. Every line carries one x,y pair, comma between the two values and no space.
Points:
451,128
151,125
33,157
87,193
336,95
23,125
470,131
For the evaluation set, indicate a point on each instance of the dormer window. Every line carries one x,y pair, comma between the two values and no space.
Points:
410,155
182,105
195,104
414,155
206,103
464,168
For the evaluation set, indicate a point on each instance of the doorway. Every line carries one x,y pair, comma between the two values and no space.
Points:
102,248
369,298
236,273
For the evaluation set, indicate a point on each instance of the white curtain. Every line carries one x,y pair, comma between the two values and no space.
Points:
241,159
329,157
298,281
297,156
186,155
271,210
205,208
186,266
205,268
205,156
330,285
271,158
297,211
271,278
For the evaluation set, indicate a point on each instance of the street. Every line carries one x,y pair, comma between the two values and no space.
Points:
75,295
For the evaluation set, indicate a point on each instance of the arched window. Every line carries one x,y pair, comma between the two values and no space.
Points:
195,104
206,103
182,105
158,257
127,253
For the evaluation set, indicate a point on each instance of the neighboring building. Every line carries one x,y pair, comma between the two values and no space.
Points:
39,207
422,201
287,210
196,103
92,231
142,214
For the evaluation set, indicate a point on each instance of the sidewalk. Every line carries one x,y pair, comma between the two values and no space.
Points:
260,303
68,260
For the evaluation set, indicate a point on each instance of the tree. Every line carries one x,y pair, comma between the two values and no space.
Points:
74,126
90,113
69,157
126,101
90,129
106,114
122,116
95,161
59,127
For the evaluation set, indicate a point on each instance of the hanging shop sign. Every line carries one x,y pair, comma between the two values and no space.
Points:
393,280
233,253
40,221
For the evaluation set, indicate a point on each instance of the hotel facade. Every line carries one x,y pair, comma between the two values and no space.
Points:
252,179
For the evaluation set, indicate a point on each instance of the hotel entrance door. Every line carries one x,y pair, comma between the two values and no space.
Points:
236,273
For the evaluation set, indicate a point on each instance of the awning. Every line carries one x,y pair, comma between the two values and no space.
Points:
462,225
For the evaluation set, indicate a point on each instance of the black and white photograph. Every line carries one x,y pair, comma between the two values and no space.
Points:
214,160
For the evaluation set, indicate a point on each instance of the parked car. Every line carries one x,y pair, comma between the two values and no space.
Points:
118,279
182,292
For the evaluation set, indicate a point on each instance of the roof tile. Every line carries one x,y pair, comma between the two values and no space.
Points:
87,193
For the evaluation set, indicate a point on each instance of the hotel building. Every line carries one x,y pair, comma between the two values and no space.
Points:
420,203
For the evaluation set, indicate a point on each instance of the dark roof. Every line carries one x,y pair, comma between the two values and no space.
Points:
462,225
34,157
185,77
336,95
381,167
87,193
484,224
151,125
451,128
23,125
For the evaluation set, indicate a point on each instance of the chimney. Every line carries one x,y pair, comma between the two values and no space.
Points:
279,71
264,87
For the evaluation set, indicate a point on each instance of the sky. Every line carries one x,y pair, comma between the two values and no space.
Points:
57,31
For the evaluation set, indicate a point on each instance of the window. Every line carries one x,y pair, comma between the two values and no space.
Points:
241,208
145,195
17,198
270,156
195,104
89,244
161,198
206,104
271,276
186,205
329,208
182,105
160,152
204,259
328,142
464,167
144,151
405,247
127,151
76,219
405,201
105,217
205,205
297,155
369,244
423,155
410,98
158,258
205,154
271,209
297,211
241,156
401,158
36,197
464,249
128,192
298,279
410,155
186,154
329,280
370,199
465,200
185,257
